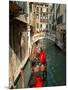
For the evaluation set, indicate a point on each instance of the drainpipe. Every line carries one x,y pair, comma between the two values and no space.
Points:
28,30
39,18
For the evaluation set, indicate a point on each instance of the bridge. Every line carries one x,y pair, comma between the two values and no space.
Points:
42,35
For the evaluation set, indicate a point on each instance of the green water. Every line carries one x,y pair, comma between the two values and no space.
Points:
56,59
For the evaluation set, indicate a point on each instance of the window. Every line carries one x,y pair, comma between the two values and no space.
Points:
46,17
50,26
47,9
30,7
40,25
41,10
53,27
43,14
47,26
37,9
60,19
37,15
37,25
50,17
58,9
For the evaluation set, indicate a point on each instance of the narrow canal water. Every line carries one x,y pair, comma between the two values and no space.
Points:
56,59
56,64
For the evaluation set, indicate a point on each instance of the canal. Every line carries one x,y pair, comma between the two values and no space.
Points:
56,59
56,64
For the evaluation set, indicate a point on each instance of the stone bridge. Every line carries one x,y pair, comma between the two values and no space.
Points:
42,35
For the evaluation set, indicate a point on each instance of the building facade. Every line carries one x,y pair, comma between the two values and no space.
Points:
39,17
19,44
57,23
61,26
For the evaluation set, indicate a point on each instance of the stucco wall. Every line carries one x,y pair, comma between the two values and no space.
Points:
17,51
27,73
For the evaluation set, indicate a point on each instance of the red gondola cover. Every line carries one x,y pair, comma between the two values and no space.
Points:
39,82
42,57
